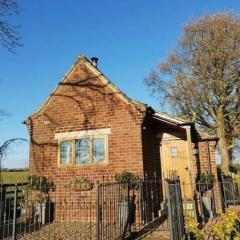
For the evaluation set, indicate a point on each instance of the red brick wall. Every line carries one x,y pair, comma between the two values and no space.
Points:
83,102
201,160
151,150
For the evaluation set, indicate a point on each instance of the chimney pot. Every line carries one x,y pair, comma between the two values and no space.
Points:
94,61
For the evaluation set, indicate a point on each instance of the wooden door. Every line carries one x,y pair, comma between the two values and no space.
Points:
175,163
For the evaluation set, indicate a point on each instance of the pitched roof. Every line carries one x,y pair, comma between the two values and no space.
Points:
165,117
205,136
99,74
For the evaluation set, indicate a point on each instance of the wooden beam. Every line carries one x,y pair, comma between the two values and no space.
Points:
190,156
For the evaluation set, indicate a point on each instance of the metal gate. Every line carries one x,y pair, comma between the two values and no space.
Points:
230,190
175,209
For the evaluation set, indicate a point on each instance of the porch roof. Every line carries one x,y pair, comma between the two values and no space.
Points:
169,119
182,123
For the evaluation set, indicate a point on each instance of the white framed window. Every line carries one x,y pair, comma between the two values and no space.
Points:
83,151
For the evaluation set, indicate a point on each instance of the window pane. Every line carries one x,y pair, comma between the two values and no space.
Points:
98,150
65,152
174,152
82,151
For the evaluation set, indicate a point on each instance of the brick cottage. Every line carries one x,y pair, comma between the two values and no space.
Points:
88,127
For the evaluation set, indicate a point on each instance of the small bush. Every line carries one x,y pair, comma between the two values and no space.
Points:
223,229
127,178
205,181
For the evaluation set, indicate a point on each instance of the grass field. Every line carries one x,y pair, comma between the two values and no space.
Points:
14,177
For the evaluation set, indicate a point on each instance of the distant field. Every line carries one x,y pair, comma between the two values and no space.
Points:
14,177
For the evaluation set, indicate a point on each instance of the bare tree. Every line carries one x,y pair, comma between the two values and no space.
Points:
9,36
201,78
5,146
2,114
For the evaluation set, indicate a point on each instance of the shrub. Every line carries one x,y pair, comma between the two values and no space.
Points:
223,229
127,178
205,181
192,228
39,183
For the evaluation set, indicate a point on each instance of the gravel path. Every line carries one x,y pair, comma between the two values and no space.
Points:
63,230
69,231
83,231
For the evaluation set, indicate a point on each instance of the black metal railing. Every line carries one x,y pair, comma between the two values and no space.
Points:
230,191
101,211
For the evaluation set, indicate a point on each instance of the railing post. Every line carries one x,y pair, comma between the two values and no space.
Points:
170,220
15,213
97,212
128,209
2,201
142,209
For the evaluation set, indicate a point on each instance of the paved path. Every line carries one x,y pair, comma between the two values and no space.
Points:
161,232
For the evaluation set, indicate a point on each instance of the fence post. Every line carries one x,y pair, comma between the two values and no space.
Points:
15,213
2,201
181,226
169,211
142,202
97,213
128,211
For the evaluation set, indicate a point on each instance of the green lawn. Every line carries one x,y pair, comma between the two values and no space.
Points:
14,177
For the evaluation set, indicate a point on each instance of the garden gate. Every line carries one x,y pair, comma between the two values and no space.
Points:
230,190
175,209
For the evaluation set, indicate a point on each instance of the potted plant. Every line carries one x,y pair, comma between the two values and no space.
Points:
40,187
40,208
205,182
129,181
81,184
23,202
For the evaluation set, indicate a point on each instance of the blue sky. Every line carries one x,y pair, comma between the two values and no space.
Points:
130,37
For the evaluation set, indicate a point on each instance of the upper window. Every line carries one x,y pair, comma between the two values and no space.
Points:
90,150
